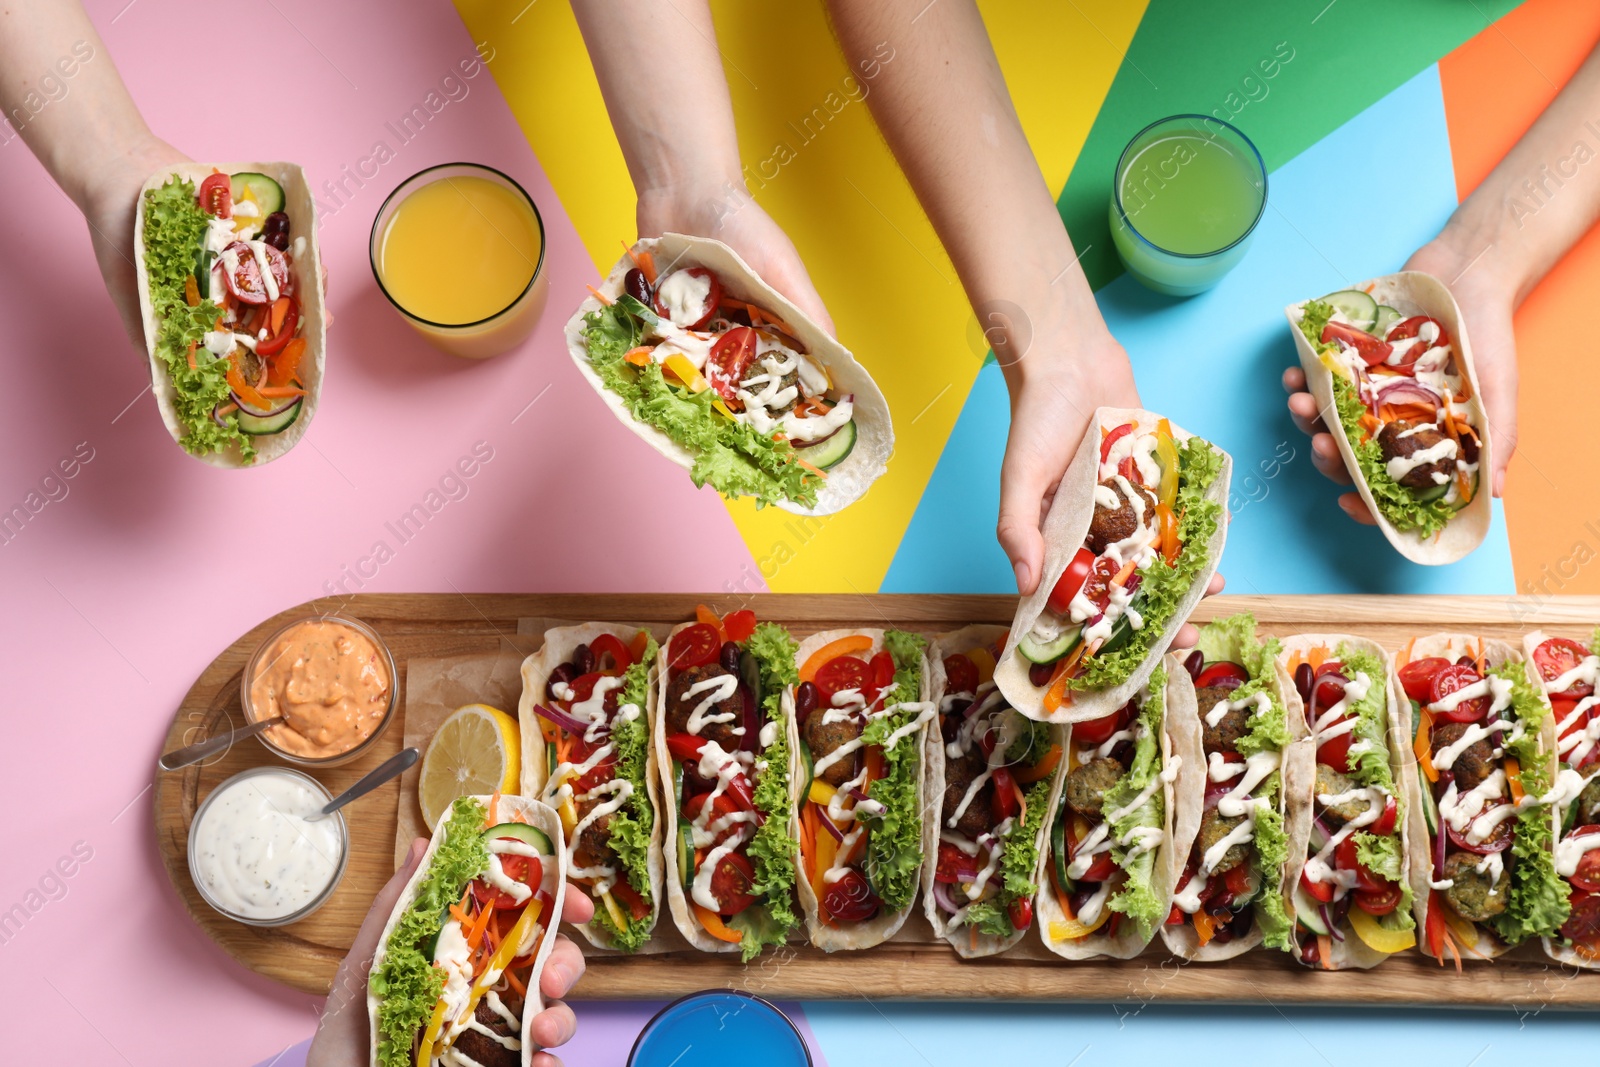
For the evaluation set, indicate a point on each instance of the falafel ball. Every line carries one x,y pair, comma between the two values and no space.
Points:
1403,437
1331,783
824,733
1476,761
1223,737
1213,828
1087,785
594,843
681,704
1110,525
1589,799
959,775
479,1047
1473,896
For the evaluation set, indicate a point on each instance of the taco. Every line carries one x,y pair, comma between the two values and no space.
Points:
1569,672
455,978
995,774
587,700
864,700
1131,540
722,744
1391,369
231,292
1124,820
1351,894
1481,830
1231,894
727,378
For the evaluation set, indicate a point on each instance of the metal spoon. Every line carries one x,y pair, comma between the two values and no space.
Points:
182,757
369,781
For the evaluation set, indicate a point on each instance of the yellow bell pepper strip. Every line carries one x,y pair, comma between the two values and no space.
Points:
680,368
716,927
982,659
821,792
1167,456
614,910
1379,937
833,650
430,1035
1072,929
1513,769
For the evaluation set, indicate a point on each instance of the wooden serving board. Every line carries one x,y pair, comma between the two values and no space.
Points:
914,966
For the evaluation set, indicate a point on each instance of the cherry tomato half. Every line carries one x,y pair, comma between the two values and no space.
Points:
961,675
954,865
713,298
1380,902
1071,580
1335,752
1498,841
1021,913
693,646
1556,657
1098,731
216,196
841,673
1385,823
1321,892
1345,859
882,666
1220,674
245,282
1413,326
280,340
731,882
626,895
1097,586
1583,924
1417,677
1452,679
1371,350
730,359
1587,876
850,899
525,869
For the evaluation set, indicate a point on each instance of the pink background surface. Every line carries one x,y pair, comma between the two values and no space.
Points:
121,591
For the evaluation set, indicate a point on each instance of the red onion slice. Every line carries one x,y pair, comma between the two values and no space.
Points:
1407,391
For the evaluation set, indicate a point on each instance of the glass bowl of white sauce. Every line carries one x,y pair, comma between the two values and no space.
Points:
255,858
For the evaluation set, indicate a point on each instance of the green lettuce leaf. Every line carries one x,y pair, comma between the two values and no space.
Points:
634,823
174,227
894,838
730,456
1537,904
1019,858
1137,898
1314,321
406,983
772,850
1371,768
1272,850
1164,586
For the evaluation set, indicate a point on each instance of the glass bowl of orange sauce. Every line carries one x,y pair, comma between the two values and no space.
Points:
333,680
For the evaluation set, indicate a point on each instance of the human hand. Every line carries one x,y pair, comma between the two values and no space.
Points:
1486,309
729,214
342,1038
110,196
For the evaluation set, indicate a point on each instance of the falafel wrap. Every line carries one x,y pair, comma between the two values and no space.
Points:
995,774
588,695
1481,832
1131,541
1349,875
722,745
1232,894
1123,821
861,711
1390,367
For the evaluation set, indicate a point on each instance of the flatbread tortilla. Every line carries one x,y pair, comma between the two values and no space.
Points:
1410,292
1553,947
559,643
1351,952
1184,802
1066,528
552,881
885,924
847,482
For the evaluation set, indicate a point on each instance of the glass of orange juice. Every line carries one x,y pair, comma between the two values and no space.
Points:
459,250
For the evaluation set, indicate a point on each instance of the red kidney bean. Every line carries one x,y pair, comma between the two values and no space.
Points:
583,659
1469,447
562,675
729,657
1303,677
1039,674
634,285
1194,663
805,700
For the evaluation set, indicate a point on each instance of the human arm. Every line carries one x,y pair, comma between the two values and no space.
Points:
1502,240
674,121
342,1038
61,92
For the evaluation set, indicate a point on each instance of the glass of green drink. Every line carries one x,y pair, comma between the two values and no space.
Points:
1189,191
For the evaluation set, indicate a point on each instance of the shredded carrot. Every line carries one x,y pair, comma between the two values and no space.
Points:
874,767
598,295
192,346
647,264
516,983
1324,951
1513,769
818,471
1127,569
1450,946
1057,694
227,409
494,809
1422,746
475,935
973,938
279,390
1205,927
191,291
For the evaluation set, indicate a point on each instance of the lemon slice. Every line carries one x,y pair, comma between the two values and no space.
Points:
476,750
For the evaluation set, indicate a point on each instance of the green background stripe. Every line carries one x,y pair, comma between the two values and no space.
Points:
1264,65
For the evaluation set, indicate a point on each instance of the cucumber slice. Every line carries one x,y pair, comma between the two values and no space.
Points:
1058,851
1036,651
202,271
686,856
1387,317
1358,307
264,425
807,770
551,760
1121,630
829,453
639,311
1430,812
1430,494
267,193
521,831
1305,910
